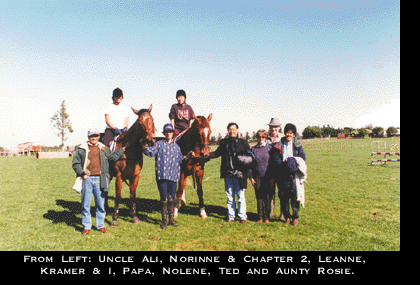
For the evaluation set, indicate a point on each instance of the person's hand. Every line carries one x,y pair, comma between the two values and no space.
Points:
126,145
253,182
84,177
117,131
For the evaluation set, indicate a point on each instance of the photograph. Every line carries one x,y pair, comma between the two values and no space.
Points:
186,137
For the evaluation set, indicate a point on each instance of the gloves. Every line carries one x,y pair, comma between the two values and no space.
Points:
117,131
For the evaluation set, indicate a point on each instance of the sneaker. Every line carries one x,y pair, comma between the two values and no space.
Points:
243,221
86,232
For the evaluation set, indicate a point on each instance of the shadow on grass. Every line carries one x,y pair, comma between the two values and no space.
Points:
72,211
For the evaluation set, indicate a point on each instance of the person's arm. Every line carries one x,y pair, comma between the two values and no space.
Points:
217,152
114,156
77,163
108,122
151,150
126,122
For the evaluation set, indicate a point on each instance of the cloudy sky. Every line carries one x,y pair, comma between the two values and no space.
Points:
311,63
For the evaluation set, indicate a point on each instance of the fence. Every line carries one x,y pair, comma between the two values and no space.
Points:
385,160
344,144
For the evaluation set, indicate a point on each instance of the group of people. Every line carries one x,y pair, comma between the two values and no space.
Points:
277,160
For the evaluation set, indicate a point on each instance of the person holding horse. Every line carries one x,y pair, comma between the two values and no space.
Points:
116,117
168,159
260,181
232,171
286,158
181,114
90,162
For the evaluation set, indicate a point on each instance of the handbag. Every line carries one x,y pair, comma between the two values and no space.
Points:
245,160
77,186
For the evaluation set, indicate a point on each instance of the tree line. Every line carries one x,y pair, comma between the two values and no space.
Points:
327,131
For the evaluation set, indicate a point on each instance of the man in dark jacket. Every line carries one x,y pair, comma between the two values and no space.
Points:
233,172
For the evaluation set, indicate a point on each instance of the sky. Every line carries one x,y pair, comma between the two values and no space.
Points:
311,63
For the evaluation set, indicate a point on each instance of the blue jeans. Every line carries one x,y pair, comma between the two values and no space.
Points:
167,189
92,186
233,189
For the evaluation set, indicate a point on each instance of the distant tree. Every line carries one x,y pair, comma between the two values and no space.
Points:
312,132
61,123
328,131
378,132
362,133
391,131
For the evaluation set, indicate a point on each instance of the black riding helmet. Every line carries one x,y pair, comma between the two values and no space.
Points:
181,92
117,93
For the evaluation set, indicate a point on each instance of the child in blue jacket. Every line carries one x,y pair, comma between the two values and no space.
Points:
168,159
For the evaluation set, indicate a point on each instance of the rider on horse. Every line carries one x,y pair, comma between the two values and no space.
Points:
181,114
116,117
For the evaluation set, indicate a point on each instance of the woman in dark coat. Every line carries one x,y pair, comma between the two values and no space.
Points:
282,166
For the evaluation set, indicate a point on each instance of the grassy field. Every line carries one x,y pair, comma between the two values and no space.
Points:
350,205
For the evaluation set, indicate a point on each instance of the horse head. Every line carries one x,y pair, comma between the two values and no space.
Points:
145,127
203,134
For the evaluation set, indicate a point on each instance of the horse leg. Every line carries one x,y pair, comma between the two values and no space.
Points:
133,186
180,195
200,175
118,187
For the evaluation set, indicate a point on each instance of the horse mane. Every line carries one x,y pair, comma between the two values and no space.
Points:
190,138
132,134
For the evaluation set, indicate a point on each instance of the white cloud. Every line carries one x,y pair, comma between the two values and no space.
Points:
386,116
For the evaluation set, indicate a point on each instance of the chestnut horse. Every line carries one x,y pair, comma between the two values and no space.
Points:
194,143
139,136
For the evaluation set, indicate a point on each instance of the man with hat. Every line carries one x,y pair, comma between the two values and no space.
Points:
274,136
90,161
168,158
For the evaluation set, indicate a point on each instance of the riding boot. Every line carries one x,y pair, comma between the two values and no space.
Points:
260,210
171,214
164,205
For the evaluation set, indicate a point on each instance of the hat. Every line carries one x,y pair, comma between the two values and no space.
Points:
93,132
274,122
181,93
168,128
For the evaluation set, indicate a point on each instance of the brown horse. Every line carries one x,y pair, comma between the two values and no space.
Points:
195,144
139,136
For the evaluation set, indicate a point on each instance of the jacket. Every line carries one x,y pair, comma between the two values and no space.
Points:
222,150
79,163
168,158
277,168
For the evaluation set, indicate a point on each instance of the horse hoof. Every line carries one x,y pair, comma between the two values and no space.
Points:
203,214
175,212
136,220
114,224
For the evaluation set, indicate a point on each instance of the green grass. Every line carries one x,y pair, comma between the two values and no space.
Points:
350,205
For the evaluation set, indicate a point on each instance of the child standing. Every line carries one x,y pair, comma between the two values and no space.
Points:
168,159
